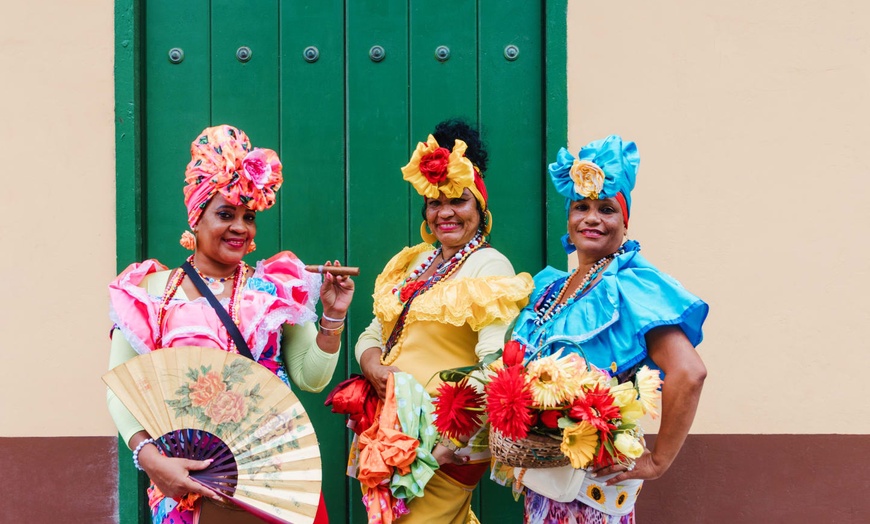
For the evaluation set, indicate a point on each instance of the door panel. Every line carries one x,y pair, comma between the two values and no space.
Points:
344,123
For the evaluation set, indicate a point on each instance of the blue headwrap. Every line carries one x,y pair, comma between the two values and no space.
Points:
604,169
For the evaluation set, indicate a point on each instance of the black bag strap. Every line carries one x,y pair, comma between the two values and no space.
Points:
231,326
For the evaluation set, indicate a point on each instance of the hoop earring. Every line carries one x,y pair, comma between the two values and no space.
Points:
427,236
487,223
188,241
252,247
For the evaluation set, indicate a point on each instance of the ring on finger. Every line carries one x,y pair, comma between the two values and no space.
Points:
630,467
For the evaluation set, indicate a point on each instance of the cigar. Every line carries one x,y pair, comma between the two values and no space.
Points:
335,270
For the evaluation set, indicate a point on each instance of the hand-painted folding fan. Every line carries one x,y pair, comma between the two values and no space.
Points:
208,403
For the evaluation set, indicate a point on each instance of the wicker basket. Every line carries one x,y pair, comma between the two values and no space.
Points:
534,451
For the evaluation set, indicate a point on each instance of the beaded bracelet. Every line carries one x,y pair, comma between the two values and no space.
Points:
326,317
330,332
138,449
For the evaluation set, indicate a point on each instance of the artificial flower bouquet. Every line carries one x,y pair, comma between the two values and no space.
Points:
559,402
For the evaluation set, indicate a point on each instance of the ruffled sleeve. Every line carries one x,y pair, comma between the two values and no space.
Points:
477,301
385,306
611,320
292,282
280,292
132,308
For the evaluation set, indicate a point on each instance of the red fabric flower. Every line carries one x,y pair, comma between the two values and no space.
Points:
409,289
356,398
597,408
457,409
513,353
550,418
434,165
509,401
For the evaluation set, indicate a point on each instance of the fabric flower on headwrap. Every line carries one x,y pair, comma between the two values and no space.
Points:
433,169
604,168
223,160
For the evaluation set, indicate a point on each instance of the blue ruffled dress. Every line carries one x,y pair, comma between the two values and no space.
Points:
610,322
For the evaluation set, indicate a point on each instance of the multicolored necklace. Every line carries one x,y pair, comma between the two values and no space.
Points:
443,271
549,308
215,284
411,288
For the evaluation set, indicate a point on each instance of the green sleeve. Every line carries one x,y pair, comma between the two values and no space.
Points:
309,367
121,352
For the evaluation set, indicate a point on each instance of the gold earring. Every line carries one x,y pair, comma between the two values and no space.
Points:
487,223
426,235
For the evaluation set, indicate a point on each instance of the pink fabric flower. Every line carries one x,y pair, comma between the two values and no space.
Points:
257,168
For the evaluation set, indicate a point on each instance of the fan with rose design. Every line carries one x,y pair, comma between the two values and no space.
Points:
207,403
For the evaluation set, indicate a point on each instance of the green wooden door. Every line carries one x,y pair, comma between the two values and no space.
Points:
343,90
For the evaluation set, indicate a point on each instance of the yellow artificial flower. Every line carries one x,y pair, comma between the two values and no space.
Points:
648,382
459,171
628,445
579,442
625,396
588,178
550,380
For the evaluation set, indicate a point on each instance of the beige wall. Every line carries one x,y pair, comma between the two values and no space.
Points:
751,119
752,123
58,231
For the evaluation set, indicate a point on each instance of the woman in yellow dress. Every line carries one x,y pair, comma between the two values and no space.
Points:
444,307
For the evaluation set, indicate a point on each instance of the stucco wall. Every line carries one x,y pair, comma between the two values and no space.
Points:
58,231
751,121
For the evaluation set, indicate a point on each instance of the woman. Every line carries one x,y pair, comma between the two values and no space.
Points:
622,311
228,182
445,307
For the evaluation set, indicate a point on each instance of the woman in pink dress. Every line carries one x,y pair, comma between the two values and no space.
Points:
273,303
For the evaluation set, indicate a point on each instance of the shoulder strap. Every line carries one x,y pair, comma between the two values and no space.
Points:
231,326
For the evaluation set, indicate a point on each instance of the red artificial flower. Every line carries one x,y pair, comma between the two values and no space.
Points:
513,353
409,290
457,409
434,165
509,402
607,454
597,408
550,418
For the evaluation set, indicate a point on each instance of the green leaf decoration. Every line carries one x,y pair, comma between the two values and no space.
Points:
457,374
565,422
492,357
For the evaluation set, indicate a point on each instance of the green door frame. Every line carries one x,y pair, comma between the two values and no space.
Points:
133,507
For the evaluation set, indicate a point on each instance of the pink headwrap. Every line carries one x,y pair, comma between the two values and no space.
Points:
223,160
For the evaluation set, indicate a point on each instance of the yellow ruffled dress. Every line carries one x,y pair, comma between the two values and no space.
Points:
455,323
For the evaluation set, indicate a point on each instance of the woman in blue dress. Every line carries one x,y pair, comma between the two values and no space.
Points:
624,313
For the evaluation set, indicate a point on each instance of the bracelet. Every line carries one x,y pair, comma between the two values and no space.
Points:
325,317
138,449
452,444
330,332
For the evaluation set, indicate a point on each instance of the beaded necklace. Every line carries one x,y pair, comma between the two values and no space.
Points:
443,272
551,306
239,276
215,284
444,267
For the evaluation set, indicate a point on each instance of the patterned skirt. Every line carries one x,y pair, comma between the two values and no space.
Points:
541,510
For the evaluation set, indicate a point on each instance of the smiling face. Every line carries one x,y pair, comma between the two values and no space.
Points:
453,221
595,227
223,235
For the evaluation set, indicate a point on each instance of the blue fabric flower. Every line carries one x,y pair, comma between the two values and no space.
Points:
258,284
617,159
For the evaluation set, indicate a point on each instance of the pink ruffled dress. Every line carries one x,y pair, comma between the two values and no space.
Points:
280,292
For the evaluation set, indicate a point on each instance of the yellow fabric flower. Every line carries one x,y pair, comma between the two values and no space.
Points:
588,178
579,442
550,380
648,382
460,170
628,445
625,396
